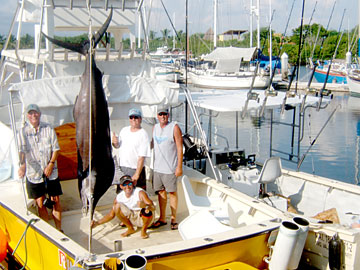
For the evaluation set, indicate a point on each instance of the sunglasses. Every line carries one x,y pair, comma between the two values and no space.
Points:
162,114
134,117
128,184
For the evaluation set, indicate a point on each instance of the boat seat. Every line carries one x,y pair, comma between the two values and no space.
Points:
195,202
201,223
269,173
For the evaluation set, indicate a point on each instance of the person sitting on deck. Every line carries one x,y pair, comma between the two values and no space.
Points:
132,206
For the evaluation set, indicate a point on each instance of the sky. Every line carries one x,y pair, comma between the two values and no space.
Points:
232,14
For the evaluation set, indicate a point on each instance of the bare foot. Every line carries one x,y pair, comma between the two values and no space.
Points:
128,232
144,235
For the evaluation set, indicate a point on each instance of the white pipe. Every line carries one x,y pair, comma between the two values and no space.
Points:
303,232
284,246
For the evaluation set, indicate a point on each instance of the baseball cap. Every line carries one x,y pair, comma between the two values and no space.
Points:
163,110
33,107
124,179
135,112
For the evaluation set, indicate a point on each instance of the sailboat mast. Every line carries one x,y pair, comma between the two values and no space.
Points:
251,22
359,32
174,40
258,24
270,40
215,22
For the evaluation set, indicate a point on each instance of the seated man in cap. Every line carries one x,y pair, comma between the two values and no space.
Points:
132,206
134,148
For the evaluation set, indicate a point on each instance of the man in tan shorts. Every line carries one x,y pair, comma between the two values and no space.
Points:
132,206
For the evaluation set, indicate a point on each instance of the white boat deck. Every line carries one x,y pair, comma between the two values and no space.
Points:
76,226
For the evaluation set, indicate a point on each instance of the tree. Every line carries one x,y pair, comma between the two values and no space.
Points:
165,34
152,35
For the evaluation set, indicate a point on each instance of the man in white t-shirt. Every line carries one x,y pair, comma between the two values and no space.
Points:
134,148
132,206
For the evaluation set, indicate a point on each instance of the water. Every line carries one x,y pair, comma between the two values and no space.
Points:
335,153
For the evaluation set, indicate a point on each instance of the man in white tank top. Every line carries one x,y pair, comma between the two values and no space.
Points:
168,155
132,206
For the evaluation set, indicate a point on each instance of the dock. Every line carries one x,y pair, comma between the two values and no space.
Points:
335,87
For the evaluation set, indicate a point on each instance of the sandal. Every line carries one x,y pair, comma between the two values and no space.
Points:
174,226
158,224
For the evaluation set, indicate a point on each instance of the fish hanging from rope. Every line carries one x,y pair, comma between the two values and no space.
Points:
92,136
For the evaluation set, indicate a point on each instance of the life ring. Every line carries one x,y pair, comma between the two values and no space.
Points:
3,245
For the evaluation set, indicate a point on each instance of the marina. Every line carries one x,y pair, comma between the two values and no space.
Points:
270,178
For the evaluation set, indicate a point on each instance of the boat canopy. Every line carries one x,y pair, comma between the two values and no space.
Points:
56,96
231,53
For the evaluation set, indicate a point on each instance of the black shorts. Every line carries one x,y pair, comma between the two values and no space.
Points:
52,188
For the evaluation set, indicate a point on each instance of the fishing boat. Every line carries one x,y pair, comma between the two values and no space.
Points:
167,69
232,229
229,68
330,204
337,72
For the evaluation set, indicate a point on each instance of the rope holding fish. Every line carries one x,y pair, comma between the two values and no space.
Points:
90,52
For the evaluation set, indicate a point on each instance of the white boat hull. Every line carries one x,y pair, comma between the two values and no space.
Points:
228,81
354,85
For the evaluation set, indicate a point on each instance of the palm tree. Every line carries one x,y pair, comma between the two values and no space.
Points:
152,35
165,34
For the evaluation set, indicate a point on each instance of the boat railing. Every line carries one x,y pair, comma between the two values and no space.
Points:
200,129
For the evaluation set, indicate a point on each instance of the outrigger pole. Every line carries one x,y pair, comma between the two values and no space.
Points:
186,64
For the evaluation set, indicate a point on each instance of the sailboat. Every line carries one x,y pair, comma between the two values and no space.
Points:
229,70
229,67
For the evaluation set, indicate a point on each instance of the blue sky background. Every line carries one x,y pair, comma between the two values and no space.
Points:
232,14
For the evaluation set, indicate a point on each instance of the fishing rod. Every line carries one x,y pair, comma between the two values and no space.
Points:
313,66
288,93
282,44
267,31
317,136
254,96
250,94
322,90
353,40
269,91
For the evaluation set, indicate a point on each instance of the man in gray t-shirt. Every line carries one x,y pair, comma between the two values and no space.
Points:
168,155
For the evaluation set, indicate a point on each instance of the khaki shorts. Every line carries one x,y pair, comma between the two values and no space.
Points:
134,216
164,181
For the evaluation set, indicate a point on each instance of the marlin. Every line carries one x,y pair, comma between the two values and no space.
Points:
93,140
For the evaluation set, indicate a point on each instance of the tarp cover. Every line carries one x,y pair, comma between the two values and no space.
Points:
244,54
56,96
